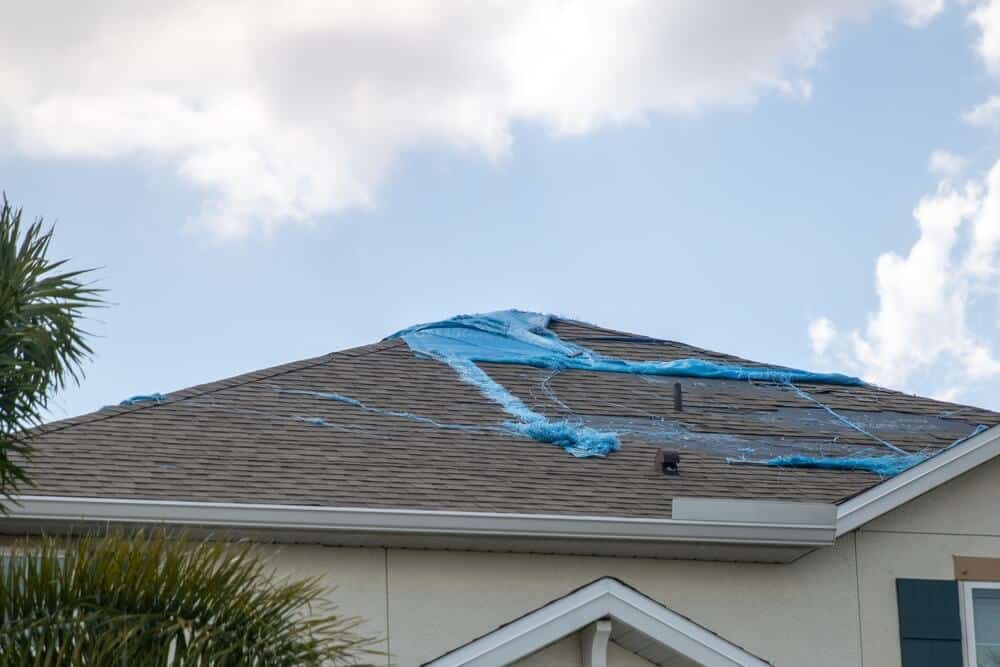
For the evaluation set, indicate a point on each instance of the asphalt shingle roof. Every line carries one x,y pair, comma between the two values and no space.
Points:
248,439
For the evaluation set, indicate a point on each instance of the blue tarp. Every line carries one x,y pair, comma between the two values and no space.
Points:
520,337
886,466
144,398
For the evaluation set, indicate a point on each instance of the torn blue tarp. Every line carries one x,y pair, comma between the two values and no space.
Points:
579,440
144,398
519,337
886,466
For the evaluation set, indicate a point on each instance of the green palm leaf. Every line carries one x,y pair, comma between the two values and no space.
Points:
42,346
155,599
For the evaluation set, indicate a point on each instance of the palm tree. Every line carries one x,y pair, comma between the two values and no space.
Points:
156,599
42,345
119,599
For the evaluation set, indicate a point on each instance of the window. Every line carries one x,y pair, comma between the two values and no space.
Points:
981,623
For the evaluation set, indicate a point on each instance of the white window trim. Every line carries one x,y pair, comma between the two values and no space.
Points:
968,626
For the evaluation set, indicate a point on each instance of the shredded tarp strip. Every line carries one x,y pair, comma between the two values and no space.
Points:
340,398
886,466
144,398
519,337
844,420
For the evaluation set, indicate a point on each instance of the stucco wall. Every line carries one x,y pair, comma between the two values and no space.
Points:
564,653
465,595
918,540
357,577
440,600
818,611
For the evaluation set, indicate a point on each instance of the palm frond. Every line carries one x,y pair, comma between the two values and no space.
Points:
152,599
42,346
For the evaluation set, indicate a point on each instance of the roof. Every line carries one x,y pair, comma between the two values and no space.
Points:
417,437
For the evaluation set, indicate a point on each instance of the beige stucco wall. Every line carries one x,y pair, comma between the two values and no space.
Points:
440,600
464,595
564,653
356,577
918,540
821,610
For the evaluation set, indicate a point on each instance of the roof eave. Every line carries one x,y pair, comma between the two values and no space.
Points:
740,539
909,484
719,528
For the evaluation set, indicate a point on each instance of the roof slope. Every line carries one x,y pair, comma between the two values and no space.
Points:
419,438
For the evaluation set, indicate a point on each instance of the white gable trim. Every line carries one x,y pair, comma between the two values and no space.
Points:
604,598
918,480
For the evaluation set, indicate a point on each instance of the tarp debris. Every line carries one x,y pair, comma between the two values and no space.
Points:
144,398
814,436
520,337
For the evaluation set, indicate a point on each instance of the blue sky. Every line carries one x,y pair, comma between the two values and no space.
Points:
740,219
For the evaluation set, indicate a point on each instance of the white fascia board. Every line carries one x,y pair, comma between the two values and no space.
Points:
423,522
604,598
919,479
752,511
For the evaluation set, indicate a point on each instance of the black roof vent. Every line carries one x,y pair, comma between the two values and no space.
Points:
668,462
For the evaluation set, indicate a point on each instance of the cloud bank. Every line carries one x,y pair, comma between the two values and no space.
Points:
937,311
284,112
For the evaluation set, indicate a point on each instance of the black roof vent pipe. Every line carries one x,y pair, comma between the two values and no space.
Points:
668,462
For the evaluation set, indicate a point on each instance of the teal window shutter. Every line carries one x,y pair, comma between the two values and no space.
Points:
930,623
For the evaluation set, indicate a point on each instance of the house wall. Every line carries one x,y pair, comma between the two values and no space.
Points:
434,601
919,540
564,653
825,609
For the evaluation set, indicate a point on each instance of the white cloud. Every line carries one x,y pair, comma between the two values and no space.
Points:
925,297
986,114
933,324
920,12
945,163
986,16
285,111
821,334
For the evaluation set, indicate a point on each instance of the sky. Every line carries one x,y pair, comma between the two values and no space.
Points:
814,184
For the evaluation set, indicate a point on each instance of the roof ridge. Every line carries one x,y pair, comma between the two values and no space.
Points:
596,327
616,335
239,380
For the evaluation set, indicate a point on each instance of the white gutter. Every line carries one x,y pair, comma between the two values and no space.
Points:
919,479
789,532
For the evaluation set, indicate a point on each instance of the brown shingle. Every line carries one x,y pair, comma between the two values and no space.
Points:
250,439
